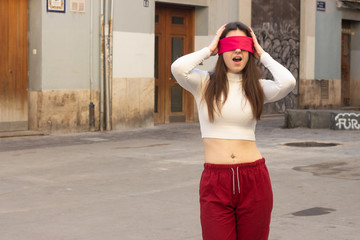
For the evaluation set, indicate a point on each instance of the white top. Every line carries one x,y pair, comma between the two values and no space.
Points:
236,120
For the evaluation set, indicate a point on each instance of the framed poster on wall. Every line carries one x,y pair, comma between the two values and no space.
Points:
55,6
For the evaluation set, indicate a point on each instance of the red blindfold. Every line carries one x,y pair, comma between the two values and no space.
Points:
236,42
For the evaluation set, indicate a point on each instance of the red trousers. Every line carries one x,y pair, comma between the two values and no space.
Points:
235,201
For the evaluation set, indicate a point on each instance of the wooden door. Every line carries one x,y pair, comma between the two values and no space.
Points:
345,63
13,65
174,37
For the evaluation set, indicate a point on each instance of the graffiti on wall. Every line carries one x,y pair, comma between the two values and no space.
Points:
282,43
347,121
277,26
279,42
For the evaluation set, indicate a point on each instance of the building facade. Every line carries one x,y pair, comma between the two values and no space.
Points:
329,56
79,65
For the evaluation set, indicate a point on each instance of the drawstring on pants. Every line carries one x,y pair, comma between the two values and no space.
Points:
237,176
236,169
233,180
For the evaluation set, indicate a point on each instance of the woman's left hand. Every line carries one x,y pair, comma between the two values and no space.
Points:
258,50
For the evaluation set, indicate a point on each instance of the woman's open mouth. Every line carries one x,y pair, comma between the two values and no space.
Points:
237,59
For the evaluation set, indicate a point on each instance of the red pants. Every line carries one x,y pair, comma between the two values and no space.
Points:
235,201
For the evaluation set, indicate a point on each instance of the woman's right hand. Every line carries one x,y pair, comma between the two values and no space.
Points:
214,44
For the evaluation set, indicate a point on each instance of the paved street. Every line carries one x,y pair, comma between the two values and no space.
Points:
143,184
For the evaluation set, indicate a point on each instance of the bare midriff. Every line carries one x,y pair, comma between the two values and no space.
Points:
230,151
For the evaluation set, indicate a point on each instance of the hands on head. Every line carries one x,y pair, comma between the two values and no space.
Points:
258,50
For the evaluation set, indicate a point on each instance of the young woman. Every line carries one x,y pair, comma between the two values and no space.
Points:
235,189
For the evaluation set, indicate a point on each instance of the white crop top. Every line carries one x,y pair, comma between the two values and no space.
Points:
236,120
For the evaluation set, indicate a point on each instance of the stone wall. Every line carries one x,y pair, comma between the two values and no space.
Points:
354,93
62,111
132,103
319,93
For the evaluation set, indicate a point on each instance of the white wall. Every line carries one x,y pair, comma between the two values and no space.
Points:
133,55
328,42
62,45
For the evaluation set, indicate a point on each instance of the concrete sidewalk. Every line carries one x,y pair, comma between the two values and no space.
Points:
143,184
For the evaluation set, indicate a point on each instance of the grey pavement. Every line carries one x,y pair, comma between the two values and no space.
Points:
143,184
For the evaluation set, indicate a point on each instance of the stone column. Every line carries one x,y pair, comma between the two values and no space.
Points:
245,12
307,39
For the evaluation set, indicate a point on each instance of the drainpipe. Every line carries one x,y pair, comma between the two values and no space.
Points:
107,61
102,49
91,105
111,60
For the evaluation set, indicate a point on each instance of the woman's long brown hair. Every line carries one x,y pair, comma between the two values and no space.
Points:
217,89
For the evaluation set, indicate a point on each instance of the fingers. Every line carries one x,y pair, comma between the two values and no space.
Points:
258,49
220,30
214,44
253,36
